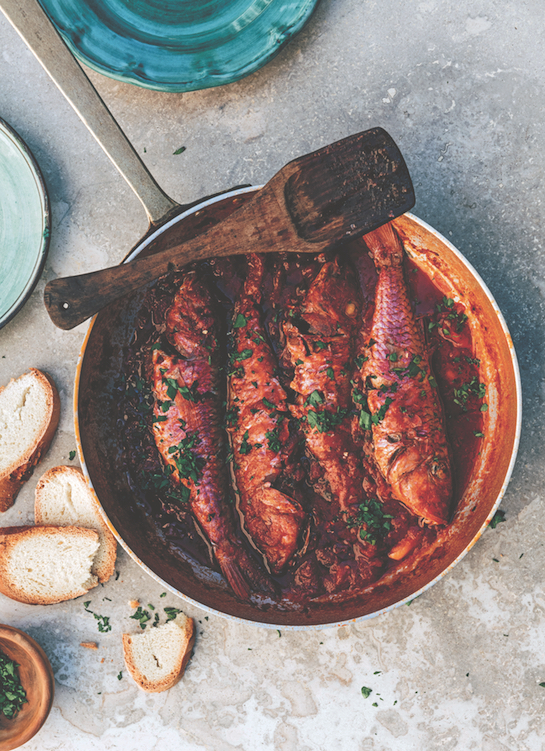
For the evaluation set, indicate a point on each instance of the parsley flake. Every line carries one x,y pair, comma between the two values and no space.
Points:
240,321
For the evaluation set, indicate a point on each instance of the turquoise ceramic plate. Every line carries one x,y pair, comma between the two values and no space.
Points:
177,45
24,223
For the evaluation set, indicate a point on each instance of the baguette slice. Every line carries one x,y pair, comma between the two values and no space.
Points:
157,658
63,498
44,565
29,415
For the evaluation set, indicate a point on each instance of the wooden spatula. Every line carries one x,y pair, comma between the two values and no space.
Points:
339,192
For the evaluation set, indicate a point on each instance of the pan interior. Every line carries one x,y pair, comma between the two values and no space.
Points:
101,450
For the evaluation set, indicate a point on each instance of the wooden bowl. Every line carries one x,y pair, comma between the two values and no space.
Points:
100,448
37,680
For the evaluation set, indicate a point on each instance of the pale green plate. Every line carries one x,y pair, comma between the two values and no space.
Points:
177,45
24,223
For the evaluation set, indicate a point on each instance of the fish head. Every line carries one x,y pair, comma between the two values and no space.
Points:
422,481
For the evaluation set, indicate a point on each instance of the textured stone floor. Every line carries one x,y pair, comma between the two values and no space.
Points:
460,86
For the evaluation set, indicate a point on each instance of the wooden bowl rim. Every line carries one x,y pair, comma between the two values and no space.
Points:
9,635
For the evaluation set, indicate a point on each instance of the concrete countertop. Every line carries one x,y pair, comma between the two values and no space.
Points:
460,86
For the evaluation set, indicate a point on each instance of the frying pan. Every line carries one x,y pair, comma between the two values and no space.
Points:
100,365
100,447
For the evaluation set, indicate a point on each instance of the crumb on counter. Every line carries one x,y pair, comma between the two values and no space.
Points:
89,644
134,603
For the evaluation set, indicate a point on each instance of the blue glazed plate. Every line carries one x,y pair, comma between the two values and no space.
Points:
24,223
177,45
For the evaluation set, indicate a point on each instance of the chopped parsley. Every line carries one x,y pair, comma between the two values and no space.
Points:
269,404
12,693
358,397
314,399
188,464
360,359
190,393
240,321
231,416
245,447
498,517
326,421
142,616
103,620
367,419
366,692
446,306
372,521
462,394
243,355
171,613
273,440
71,455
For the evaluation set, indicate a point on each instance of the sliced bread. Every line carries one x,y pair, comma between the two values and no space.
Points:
63,498
157,658
44,565
29,415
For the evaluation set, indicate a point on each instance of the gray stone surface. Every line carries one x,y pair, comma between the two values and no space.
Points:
460,87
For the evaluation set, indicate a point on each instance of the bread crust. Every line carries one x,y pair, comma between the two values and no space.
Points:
75,476
154,686
12,478
11,536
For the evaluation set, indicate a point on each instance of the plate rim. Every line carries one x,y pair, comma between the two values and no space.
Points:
304,9
41,255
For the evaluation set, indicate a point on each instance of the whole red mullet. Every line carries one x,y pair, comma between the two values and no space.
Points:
187,427
323,361
258,419
320,343
406,414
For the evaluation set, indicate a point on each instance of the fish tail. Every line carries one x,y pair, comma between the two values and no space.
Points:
242,573
254,277
233,573
385,247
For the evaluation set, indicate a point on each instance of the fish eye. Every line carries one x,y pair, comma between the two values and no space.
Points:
438,469
393,437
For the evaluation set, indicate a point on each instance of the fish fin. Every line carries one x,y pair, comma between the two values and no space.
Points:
233,573
242,573
385,247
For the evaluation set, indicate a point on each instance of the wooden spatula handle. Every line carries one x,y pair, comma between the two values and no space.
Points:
71,300
254,227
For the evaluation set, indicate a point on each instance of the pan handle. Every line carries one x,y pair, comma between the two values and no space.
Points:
38,32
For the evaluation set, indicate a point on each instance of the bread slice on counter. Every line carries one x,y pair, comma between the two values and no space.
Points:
63,498
29,415
157,658
45,565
